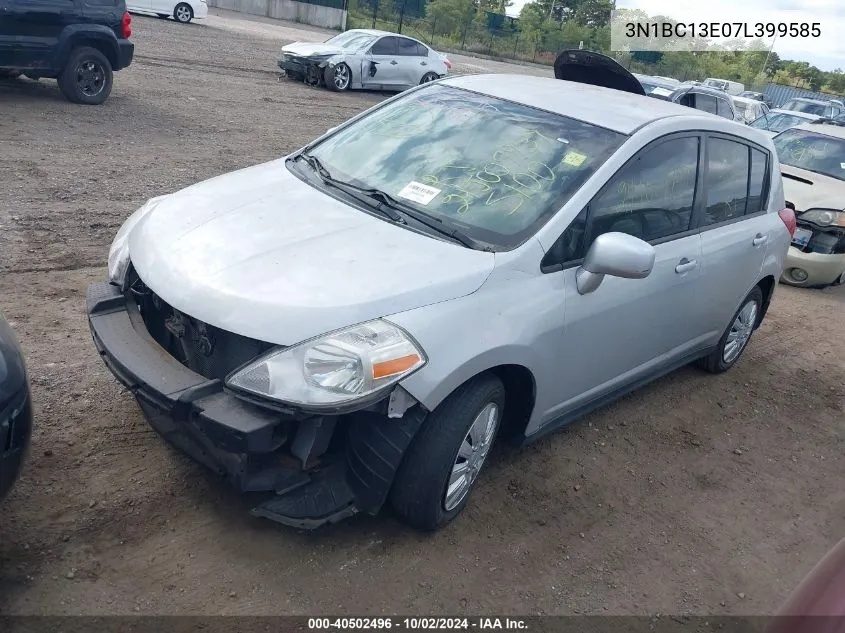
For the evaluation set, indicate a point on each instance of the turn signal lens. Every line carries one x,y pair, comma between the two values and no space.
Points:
395,366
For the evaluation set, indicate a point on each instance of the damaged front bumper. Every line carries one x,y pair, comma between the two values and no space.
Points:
313,469
818,259
308,69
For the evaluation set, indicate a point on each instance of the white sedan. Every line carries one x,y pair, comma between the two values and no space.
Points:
180,10
364,58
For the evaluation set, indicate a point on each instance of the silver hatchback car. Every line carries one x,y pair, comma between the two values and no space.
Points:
480,257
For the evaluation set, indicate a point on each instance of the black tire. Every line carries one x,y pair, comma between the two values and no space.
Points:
419,490
183,13
429,77
715,363
86,70
331,74
162,16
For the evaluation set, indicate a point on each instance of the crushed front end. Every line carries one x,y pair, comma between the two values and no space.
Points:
816,257
312,468
310,69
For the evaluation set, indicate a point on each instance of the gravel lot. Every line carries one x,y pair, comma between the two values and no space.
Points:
698,494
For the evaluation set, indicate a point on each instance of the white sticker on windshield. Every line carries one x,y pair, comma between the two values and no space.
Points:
663,92
841,165
418,192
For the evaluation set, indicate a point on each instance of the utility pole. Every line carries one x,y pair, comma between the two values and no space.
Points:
375,12
402,14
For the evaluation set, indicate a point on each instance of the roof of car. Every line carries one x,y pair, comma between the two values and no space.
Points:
836,131
616,110
802,115
806,100
371,32
746,100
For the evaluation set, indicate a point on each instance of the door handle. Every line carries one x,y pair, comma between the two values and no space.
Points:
685,265
760,239
393,63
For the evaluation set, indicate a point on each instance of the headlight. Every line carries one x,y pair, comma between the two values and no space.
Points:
340,368
824,217
119,251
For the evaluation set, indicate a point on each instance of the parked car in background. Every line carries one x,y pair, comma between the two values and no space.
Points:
750,109
812,158
657,85
759,96
824,109
364,58
733,88
79,43
180,10
776,121
602,207
15,408
702,98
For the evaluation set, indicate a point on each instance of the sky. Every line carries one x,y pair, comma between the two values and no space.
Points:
826,52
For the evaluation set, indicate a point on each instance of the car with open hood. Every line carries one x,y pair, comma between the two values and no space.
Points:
366,59
15,408
748,109
483,257
812,158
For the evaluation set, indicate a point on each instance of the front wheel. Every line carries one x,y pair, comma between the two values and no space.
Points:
736,337
433,483
183,13
338,78
87,77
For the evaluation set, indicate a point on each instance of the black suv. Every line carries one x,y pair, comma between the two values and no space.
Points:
78,42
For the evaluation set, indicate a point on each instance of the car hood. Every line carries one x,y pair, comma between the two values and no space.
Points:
261,253
593,68
813,191
313,49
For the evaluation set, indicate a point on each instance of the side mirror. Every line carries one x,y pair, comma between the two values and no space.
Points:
615,254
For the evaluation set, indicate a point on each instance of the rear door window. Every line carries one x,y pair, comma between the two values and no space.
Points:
735,181
406,47
724,109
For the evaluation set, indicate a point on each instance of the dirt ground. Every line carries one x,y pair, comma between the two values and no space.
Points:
698,494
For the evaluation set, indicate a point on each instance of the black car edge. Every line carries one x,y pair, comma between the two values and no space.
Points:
15,408
80,43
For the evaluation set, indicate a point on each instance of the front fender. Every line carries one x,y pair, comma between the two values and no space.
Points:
84,34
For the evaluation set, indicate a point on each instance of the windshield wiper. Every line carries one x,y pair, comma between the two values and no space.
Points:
393,208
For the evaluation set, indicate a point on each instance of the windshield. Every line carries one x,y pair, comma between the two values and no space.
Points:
812,151
778,122
351,40
803,106
495,168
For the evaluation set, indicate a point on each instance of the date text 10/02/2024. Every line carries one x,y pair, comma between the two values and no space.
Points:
417,623
722,30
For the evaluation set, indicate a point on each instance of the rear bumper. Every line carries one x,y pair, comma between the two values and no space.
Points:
285,455
15,433
125,53
820,269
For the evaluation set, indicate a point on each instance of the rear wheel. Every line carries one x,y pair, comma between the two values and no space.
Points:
87,76
736,337
440,468
183,13
429,77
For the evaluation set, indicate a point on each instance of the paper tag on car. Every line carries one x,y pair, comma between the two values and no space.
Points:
663,92
418,192
841,165
573,159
